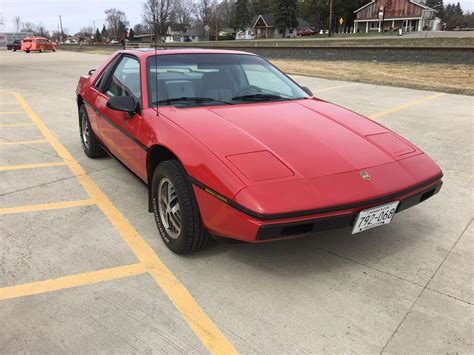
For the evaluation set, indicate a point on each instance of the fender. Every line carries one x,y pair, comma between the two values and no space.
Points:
199,162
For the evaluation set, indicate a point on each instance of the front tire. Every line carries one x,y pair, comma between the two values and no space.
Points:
175,209
89,142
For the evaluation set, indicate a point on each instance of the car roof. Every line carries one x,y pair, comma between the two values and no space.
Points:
148,52
34,37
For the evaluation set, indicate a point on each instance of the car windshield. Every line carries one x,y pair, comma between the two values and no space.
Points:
184,80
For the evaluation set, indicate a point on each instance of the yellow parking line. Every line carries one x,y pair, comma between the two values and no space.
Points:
209,334
31,166
337,87
16,124
406,106
70,281
46,206
37,141
11,113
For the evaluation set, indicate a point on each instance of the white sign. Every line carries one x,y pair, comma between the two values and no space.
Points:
207,28
9,37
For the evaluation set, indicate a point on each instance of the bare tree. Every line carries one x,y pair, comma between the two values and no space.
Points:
225,12
139,29
116,21
184,11
87,32
17,23
40,30
27,27
158,15
204,11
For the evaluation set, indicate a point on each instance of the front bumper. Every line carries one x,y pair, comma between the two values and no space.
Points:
224,219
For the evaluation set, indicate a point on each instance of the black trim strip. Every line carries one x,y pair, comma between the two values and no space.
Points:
314,211
128,135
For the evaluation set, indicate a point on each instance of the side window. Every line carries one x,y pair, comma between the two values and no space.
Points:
125,80
100,83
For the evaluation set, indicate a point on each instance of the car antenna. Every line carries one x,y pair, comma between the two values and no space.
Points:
156,68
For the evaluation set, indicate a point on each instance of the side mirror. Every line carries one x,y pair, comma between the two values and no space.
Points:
307,90
123,103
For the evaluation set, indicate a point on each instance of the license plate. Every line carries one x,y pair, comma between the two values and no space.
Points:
375,217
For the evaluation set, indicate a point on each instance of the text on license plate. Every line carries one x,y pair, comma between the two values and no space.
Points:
374,217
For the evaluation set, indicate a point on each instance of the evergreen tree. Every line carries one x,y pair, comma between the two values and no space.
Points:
104,34
242,14
438,5
457,10
98,36
454,17
260,7
285,14
121,30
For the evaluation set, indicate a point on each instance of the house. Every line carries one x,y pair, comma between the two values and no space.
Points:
173,35
226,34
192,35
264,27
392,15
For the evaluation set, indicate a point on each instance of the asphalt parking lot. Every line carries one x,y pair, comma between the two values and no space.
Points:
82,267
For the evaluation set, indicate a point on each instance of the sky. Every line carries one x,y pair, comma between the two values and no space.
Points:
75,14
80,13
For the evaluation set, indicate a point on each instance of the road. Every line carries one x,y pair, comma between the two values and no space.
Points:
82,268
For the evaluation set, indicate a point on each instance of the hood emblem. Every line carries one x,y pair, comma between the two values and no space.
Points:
365,175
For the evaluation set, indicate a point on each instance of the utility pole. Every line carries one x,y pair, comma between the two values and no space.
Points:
215,24
62,32
330,18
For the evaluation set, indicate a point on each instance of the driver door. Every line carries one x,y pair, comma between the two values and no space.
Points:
118,128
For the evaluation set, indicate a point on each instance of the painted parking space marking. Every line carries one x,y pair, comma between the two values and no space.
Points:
11,113
46,206
16,124
150,263
208,333
70,281
31,166
337,87
407,105
36,141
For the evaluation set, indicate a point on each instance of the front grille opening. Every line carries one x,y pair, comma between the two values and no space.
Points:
427,195
298,229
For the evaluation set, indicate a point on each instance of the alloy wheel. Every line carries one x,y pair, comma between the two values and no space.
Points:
85,131
170,214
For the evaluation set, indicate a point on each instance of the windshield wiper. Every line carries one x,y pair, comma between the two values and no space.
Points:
189,99
258,97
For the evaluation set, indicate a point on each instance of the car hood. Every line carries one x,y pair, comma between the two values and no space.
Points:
290,140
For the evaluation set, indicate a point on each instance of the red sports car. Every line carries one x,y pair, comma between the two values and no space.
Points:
230,146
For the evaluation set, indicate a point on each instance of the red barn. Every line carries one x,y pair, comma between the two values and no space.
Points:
392,15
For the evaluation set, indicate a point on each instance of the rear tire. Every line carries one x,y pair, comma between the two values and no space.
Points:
27,51
177,213
90,144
